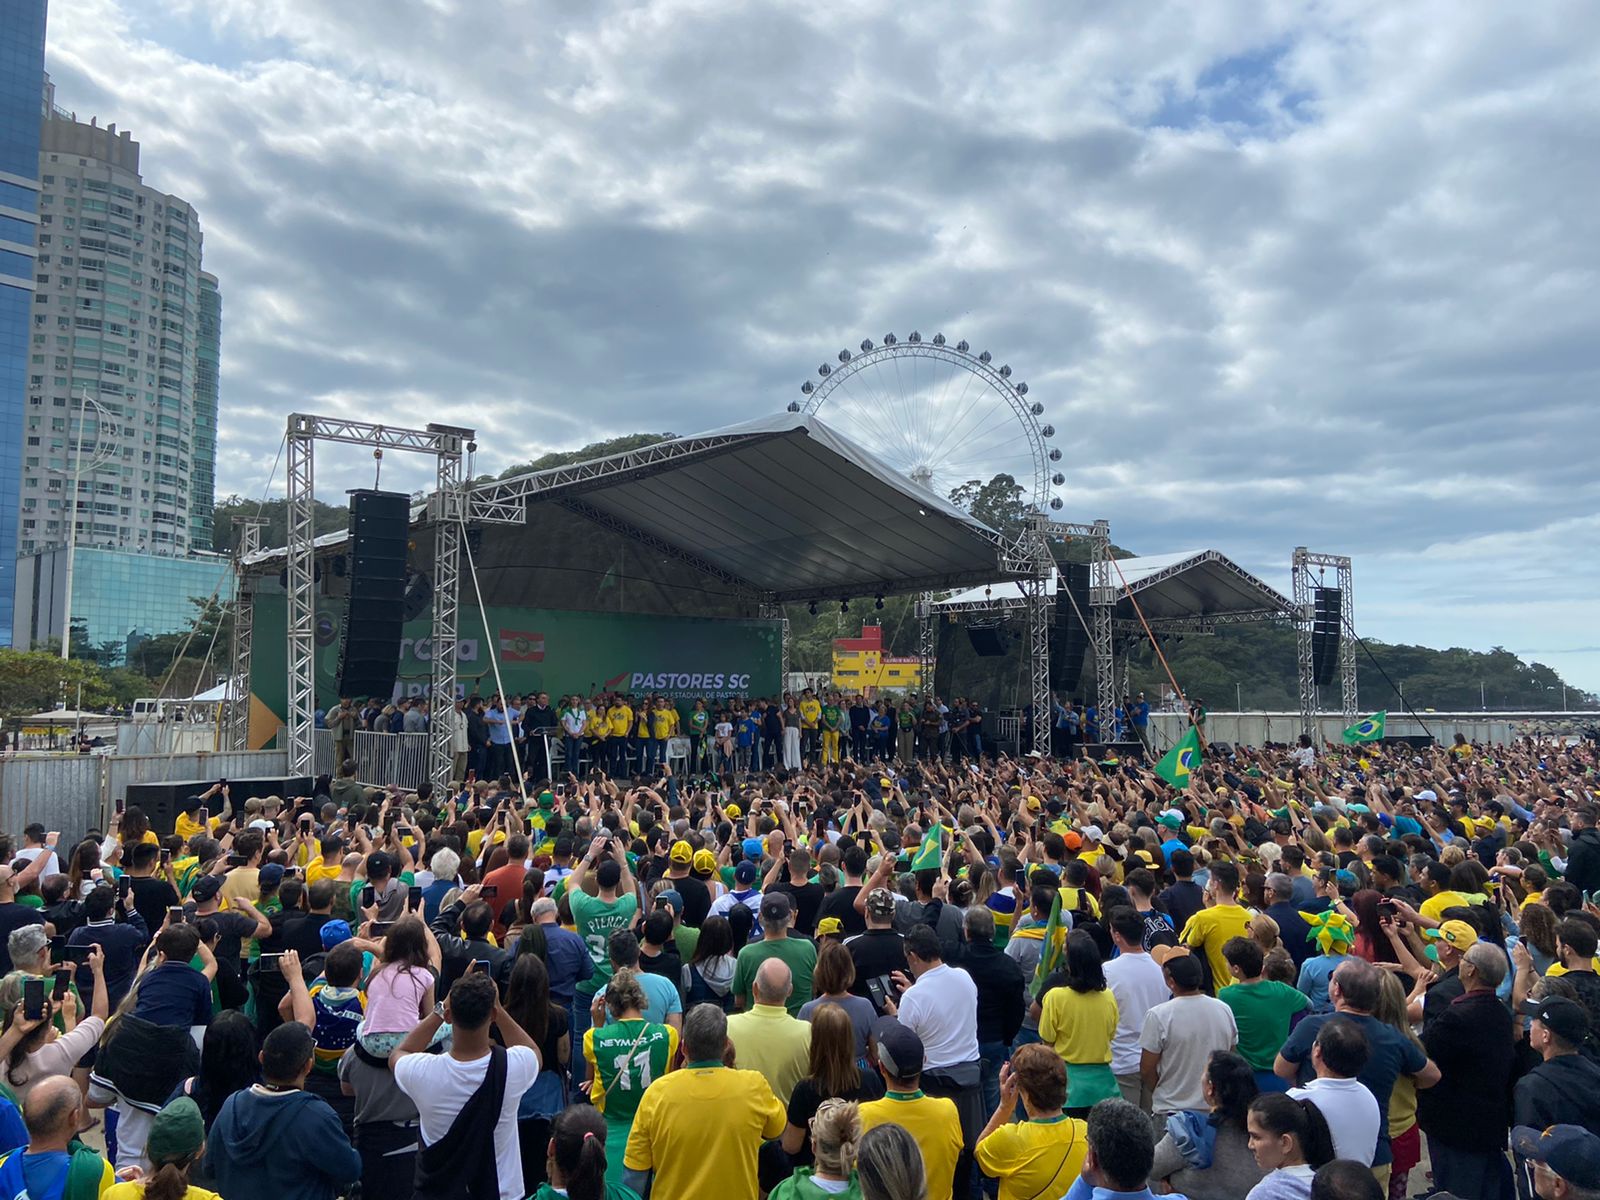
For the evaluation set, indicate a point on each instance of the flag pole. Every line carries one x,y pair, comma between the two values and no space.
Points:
1200,733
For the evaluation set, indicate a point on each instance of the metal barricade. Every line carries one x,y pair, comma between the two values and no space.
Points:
391,758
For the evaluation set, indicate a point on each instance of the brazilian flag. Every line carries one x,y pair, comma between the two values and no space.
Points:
1182,761
927,855
1368,729
1054,942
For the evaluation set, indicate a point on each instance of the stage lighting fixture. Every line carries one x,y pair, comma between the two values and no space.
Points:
813,607
878,602
844,606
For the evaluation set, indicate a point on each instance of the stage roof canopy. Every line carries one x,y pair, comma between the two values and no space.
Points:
1197,587
783,507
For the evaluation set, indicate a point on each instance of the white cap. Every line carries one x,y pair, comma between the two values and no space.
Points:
1426,794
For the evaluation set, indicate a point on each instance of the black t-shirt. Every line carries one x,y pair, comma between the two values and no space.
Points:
806,1099
297,931
152,896
668,964
841,903
876,952
233,927
696,900
807,899
12,918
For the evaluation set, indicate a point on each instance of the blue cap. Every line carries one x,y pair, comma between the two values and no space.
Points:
335,932
745,872
1571,1151
752,848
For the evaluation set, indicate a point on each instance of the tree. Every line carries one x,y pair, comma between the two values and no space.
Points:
326,518
564,458
31,681
998,503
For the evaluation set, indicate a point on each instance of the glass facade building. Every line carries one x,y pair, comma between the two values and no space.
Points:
119,597
22,26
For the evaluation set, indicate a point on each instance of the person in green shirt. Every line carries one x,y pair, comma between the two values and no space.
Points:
576,1160
624,1057
1262,1009
835,1130
832,724
777,914
603,867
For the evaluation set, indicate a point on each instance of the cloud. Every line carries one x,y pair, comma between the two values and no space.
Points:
1281,274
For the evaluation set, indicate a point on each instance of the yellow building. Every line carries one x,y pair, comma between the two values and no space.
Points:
860,665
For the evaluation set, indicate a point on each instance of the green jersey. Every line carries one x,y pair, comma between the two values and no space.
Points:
624,1058
597,920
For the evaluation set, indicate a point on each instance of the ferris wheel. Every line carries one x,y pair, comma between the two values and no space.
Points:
941,414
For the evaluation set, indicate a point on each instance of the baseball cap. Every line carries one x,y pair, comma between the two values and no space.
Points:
1566,1018
1072,839
1458,933
734,812
829,925
880,903
271,875
1162,953
1171,819
1093,833
206,888
775,906
751,847
334,932
1571,1151
899,1048
1426,794
673,898
682,852
1033,804
705,862
745,872
177,1131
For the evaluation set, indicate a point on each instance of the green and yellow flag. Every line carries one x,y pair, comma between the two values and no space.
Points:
1055,941
1368,729
927,855
1182,761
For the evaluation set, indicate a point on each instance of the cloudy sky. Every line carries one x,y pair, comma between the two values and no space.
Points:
1281,273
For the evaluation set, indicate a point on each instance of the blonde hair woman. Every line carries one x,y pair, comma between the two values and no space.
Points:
835,1131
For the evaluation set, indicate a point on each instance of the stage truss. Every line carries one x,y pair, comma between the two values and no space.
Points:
244,609
1305,584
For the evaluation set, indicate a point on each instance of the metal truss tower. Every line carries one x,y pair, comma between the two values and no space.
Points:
1305,584
244,605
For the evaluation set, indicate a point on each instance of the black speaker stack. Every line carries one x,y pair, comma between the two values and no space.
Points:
369,645
162,802
1326,629
1069,640
988,641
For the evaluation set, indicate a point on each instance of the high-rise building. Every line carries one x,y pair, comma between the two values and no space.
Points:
21,72
123,316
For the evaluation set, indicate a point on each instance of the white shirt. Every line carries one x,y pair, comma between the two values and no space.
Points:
1138,985
440,1087
941,1008
52,865
1351,1112
458,731
572,721
1184,1031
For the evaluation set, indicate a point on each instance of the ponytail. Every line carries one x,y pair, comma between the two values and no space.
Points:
170,1181
1279,1114
578,1151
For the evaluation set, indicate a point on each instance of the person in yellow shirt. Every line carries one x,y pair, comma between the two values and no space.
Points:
1079,1019
188,822
329,863
810,719
932,1120
1223,918
1437,882
700,1129
1043,1155
597,732
177,1138
662,715
621,718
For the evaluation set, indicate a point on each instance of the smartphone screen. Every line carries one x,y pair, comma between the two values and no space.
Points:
481,965
63,980
413,897
124,886
175,914
205,815
490,892
166,857
33,999
379,928
369,896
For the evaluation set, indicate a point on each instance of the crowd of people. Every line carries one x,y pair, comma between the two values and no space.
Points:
1349,974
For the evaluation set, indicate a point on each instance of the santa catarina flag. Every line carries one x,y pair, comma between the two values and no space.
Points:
1182,761
519,646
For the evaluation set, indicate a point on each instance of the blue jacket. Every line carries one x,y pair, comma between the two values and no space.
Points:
279,1147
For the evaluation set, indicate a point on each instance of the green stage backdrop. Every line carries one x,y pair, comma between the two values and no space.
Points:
545,650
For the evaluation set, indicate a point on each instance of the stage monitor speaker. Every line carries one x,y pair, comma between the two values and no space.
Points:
987,641
1326,629
369,650
1069,640
161,802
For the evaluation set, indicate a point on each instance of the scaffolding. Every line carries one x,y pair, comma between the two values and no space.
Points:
1305,585
244,608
